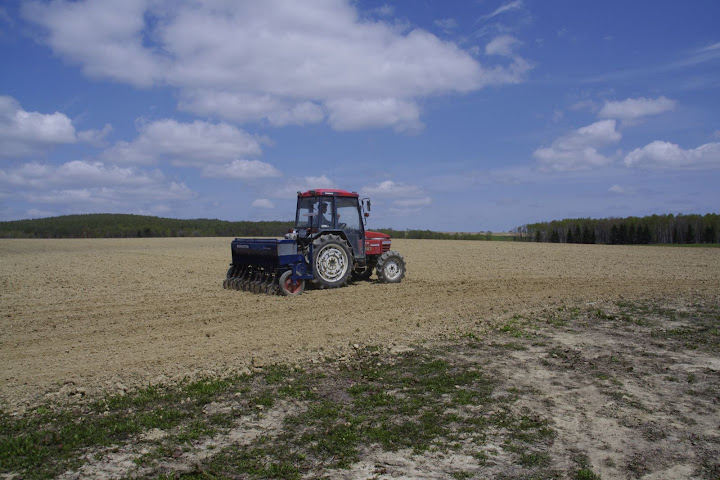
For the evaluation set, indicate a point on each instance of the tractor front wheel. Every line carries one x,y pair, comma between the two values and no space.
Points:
331,261
390,267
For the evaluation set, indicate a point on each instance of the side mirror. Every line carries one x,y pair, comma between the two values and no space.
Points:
366,204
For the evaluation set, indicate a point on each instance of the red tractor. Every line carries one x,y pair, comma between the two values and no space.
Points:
329,246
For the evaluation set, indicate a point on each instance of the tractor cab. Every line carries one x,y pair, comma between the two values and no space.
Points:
324,211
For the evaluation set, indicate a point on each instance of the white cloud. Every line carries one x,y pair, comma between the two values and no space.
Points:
86,186
447,24
106,38
384,10
618,189
405,199
511,74
95,137
635,108
715,47
241,169
117,199
77,174
594,135
300,184
510,6
585,105
579,149
196,144
37,213
413,202
503,45
262,203
391,189
25,133
246,107
552,159
281,62
659,154
351,114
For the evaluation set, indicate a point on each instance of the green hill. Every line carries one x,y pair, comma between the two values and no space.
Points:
105,225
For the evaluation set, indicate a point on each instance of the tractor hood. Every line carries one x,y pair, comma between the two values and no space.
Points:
376,235
376,243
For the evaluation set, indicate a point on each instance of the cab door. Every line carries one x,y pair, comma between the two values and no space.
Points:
349,220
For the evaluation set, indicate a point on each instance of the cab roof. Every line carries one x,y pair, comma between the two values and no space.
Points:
327,192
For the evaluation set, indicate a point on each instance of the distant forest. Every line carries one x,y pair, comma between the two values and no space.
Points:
127,226
134,226
663,229
432,235
656,229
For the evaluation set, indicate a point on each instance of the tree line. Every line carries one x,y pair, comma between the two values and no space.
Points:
138,226
432,235
133,226
663,229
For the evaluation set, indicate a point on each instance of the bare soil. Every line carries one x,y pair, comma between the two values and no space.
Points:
82,317
629,391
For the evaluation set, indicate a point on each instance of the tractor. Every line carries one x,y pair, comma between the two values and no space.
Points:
327,248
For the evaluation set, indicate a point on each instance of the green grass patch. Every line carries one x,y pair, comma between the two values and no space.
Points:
515,327
49,440
422,400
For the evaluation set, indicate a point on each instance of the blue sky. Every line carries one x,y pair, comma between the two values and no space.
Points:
453,116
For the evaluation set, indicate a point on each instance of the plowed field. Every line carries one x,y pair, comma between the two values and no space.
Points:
84,316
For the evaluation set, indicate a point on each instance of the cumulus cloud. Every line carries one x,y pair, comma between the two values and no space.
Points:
384,10
246,107
404,198
352,114
241,170
277,61
635,108
197,144
666,155
290,187
413,202
262,203
620,190
92,186
24,133
391,189
579,149
585,105
503,45
118,199
95,137
77,173
105,38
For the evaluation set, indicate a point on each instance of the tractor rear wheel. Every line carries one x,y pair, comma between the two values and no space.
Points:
331,260
390,267
289,287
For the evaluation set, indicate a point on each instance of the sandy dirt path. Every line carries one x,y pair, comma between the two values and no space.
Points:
79,317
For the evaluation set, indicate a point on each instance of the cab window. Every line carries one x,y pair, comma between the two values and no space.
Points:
348,214
307,213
